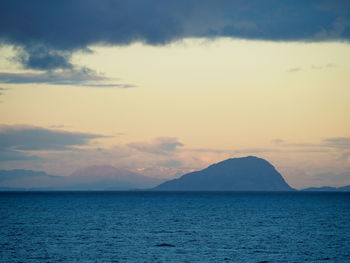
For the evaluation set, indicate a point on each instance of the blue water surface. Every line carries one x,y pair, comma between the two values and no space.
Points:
174,227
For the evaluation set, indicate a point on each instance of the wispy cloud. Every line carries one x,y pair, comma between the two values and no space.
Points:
75,77
341,143
291,70
313,67
320,67
277,141
161,145
57,126
1,91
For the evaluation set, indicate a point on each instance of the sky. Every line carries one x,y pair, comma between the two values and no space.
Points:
167,87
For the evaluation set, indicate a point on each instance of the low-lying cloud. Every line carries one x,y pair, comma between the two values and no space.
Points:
17,140
161,145
55,151
8,154
339,143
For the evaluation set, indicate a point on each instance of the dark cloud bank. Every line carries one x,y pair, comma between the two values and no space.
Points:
46,33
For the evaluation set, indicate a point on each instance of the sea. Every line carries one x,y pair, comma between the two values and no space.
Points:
174,227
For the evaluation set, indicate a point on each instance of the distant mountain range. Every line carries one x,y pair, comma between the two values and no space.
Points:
89,178
328,189
236,174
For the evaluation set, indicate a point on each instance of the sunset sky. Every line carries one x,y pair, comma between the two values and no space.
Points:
167,87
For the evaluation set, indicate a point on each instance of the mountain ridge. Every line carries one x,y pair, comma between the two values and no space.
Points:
97,177
235,174
345,188
110,178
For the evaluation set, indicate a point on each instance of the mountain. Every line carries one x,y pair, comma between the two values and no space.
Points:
106,177
89,178
24,179
236,174
328,189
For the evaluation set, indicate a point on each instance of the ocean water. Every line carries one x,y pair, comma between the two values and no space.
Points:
174,227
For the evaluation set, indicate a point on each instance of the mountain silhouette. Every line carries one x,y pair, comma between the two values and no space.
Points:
328,189
106,177
236,174
97,177
26,179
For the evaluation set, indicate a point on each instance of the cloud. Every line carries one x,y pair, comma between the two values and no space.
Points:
59,126
77,77
291,70
46,33
153,163
339,143
319,67
164,157
8,154
32,138
331,178
1,91
54,151
336,30
41,57
160,145
277,141
170,163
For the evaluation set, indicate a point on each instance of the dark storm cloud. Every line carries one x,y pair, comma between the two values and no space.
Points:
41,57
31,138
47,32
